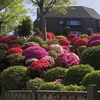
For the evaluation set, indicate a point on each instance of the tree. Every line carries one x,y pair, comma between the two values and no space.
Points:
49,5
66,30
11,13
25,28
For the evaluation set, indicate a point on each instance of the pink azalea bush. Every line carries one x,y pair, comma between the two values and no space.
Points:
67,60
35,52
94,40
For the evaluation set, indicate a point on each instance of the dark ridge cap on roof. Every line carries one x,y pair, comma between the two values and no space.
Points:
78,12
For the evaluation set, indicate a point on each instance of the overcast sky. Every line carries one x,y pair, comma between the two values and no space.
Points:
94,4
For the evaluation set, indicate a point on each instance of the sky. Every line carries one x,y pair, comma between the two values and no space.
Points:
94,4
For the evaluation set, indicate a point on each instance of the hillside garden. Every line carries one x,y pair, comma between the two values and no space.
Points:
60,63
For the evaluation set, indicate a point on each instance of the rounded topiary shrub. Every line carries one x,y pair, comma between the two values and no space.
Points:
15,59
52,86
34,83
75,88
54,73
38,40
75,74
92,78
91,56
14,77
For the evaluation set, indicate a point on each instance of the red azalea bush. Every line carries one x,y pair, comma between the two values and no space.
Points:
15,50
64,41
39,65
13,37
6,40
80,42
71,36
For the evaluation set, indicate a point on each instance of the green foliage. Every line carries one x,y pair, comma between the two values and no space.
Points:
37,31
89,31
15,59
52,86
91,56
60,36
19,41
34,83
75,88
14,77
55,73
83,35
66,30
3,54
92,78
26,27
9,20
75,74
52,41
38,40
52,53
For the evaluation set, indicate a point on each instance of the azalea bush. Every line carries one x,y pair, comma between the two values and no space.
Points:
4,46
38,40
15,50
15,59
92,78
76,73
91,56
14,78
35,52
28,44
54,73
18,41
36,82
67,60
75,88
38,68
52,86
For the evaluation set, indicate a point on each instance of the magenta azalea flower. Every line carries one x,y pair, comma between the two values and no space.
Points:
35,52
67,60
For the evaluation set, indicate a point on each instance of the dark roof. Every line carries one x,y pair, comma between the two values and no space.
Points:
77,12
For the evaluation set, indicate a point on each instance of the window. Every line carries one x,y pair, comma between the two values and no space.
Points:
78,33
73,22
61,22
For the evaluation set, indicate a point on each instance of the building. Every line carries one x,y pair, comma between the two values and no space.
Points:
79,19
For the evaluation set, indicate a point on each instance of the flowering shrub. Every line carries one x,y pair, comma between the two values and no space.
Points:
35,52
57,48
4,46
29,61
60,37
52,41
6,40
50,59
13,37
80,42
94,40
66,48
40,65
15,50
71,36
50,35
64,41
28,44
67,60
15,59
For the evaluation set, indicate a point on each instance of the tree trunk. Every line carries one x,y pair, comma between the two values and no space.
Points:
43,21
